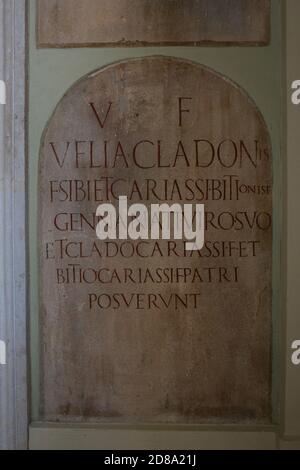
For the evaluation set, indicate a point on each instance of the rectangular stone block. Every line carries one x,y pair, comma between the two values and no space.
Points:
80,23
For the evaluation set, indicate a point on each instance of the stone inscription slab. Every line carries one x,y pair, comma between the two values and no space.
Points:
144,330
67,23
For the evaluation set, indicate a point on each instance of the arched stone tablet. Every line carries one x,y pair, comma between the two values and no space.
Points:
144,330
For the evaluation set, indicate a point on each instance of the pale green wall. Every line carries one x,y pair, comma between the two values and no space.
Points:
53,71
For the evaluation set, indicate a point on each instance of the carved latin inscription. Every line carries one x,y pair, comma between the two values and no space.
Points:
145,330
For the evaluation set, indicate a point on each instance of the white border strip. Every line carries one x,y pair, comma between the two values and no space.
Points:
13,375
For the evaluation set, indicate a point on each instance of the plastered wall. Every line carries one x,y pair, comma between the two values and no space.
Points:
52,72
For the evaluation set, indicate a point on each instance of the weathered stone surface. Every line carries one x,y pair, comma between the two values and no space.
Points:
159,346
66,23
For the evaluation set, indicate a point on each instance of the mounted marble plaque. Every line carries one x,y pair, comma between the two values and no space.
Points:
145,330
74,23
